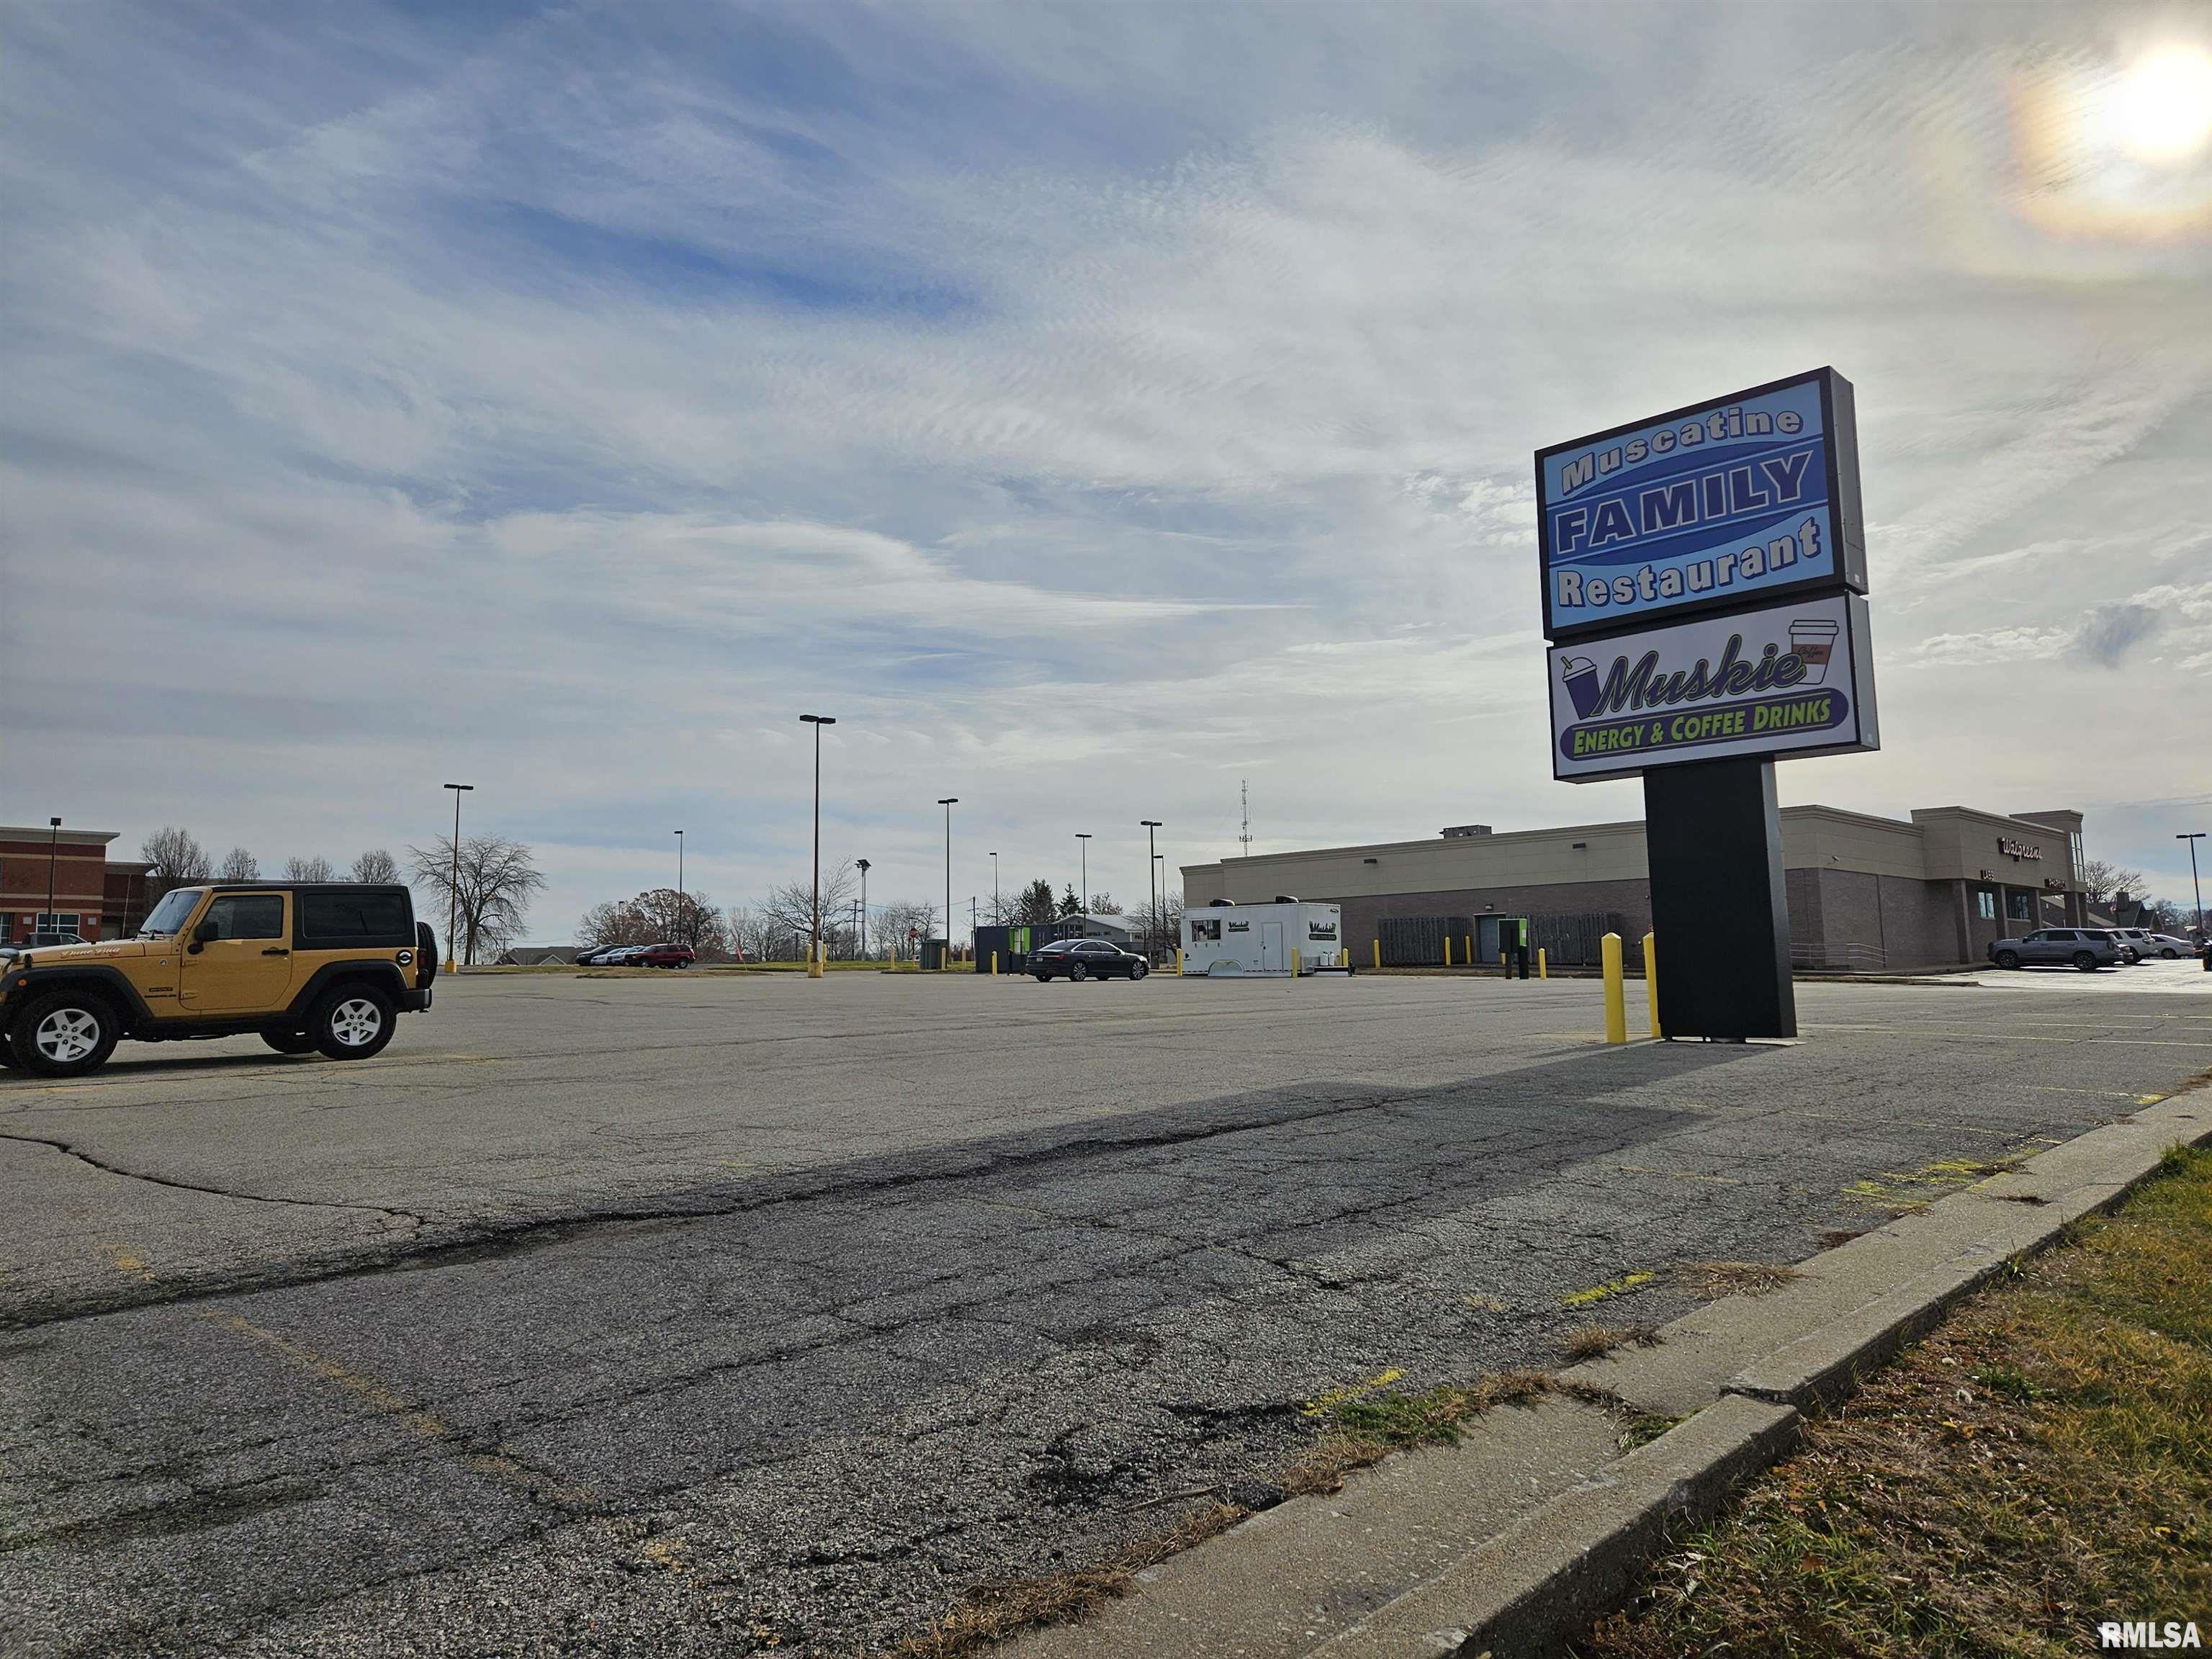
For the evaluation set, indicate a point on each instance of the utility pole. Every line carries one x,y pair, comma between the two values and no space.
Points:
1151,903
53,851
948,802
1083,842
2192,838
862,865
814,960
453,883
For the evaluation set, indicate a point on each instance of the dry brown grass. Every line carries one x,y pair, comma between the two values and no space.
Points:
1594,1341
2041,1463
1709,1281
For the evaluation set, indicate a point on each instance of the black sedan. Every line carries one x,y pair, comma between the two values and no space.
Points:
1087,958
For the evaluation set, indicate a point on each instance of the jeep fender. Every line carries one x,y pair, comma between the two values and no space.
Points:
121,994
382,972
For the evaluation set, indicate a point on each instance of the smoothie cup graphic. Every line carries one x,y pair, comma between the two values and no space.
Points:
1581,684
1812,642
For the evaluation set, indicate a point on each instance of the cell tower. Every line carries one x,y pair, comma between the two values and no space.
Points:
1244,791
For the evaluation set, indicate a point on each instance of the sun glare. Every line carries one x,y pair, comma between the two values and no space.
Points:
2162,107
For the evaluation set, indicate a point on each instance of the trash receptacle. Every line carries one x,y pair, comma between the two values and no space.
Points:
932,956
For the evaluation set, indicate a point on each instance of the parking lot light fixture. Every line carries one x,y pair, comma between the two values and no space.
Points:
1082,845
1151,903
454,881
948,802
998,917
53,849
814,955
2192,837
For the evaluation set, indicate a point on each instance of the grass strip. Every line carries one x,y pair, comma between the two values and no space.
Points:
2040,1465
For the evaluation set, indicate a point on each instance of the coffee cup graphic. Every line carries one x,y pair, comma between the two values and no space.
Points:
1581,675
1812,642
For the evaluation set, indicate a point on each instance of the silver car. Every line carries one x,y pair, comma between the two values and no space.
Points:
2085,948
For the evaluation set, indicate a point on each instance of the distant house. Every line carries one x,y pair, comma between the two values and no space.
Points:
1079,926
537,956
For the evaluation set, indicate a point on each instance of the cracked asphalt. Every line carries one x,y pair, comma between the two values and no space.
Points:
702,1313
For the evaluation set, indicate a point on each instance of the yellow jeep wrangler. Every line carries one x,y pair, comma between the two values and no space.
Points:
307,965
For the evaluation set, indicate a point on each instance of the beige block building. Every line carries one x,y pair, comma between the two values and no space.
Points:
1866,894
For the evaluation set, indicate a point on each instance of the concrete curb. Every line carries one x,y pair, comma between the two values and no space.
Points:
1738,1370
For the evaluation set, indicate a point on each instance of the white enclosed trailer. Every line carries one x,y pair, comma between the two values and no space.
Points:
1223,939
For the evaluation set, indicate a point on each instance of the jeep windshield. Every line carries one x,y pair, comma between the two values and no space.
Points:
169,914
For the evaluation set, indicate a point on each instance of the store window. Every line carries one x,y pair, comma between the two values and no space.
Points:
2019,906
1985,904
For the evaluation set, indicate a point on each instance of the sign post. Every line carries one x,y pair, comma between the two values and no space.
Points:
1704,572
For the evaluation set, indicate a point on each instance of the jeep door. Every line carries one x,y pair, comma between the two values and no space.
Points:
246,968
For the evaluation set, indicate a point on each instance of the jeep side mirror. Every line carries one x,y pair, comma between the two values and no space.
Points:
204,932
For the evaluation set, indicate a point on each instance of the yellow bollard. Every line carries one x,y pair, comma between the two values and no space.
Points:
1651,982
1294,963
1343,958
995,964
1616,1010
1378,953
1541,972
1447,949
1178,961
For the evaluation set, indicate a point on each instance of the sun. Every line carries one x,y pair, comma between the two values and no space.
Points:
2161,109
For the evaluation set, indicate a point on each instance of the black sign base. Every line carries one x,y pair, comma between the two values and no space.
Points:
1720,915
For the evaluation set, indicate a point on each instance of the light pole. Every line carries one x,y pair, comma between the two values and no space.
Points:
1151,904
948,802
681,920
1082,845
814,960
2192,838
1160,859
997,915
454,881
863,865
53,851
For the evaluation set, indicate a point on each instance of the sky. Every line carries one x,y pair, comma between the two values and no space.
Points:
1093,408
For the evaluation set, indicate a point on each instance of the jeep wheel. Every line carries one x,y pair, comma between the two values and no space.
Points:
2085,961
353,1022
289,1042
64,1034
2008,959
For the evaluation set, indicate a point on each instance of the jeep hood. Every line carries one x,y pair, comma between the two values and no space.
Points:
111,950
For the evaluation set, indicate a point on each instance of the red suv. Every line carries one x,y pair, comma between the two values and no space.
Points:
664,955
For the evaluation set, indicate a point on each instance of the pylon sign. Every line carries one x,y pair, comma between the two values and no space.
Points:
1744,499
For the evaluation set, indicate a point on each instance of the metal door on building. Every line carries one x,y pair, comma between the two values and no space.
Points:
1272,960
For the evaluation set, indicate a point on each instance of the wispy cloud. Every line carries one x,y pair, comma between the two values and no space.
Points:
570,395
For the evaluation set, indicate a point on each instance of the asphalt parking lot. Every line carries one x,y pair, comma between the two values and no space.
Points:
688,1313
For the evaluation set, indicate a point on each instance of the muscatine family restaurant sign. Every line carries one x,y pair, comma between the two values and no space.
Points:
1795,678
1750,497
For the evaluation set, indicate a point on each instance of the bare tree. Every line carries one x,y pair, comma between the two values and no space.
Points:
2101,879
1159,927
314,869
1104,904
177,861
239,864
658,914
791,907
497,879
897,919
375,868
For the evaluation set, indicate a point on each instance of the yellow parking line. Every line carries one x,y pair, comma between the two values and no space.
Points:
419,1419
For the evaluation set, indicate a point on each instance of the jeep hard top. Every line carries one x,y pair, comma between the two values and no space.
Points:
328,966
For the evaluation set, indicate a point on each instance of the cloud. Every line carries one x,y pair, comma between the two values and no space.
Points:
569,400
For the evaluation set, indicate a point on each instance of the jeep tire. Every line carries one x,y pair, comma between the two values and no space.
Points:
64,1033
289,1042
353,1022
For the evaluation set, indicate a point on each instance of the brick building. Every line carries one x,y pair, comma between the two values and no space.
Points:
94,895
1866,893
